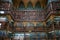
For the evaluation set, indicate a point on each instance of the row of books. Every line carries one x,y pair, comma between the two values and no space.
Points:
56,5
27,15
29,24
32,34
5,6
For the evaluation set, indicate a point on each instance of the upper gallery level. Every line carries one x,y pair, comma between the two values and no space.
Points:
29,9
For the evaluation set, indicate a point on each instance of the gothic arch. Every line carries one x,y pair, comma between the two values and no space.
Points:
29,5
21,5
37,5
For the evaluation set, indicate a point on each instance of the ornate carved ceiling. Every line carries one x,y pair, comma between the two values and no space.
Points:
17,2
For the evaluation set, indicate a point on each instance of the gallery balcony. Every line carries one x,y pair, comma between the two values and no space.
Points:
52,9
